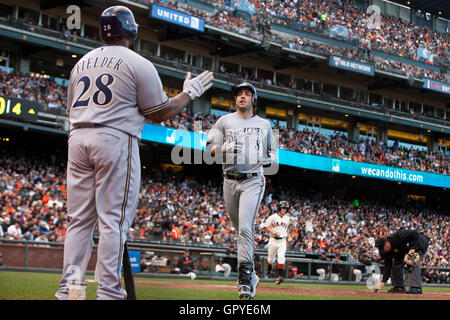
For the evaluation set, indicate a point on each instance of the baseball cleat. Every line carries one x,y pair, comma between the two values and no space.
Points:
279,280
244,291
414,290
396,290
255,282
248,291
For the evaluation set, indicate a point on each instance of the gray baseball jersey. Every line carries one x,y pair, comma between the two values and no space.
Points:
110,90
114,86
254,133
243,197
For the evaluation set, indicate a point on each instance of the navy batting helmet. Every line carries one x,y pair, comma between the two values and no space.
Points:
118,21
248,86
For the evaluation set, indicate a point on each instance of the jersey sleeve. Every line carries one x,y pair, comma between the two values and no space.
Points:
215,135
150,94
267,222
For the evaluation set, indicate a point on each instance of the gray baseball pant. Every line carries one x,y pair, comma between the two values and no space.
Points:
413,278
103,181
242,200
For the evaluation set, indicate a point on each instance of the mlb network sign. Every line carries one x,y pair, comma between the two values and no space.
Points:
352,65
177,17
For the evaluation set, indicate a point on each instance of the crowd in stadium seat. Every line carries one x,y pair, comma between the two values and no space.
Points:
187,209
334,146
52,97
33,199
396,36
363,150
34,87
393,36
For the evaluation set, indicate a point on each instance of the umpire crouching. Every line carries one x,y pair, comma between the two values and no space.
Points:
393,250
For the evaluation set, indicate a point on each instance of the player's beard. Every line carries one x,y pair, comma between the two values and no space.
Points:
245,108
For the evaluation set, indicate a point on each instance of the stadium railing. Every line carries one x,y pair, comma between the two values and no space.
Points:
48,32
290,92
298,94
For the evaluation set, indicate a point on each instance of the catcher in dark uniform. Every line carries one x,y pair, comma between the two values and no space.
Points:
404,247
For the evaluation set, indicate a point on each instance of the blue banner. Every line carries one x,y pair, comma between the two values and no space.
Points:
362,169
352,65
246,6
436,85
177,17
340,32
135,261
197,141
423,53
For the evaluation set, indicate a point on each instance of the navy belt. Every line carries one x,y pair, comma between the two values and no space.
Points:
240,176
278,238
87,125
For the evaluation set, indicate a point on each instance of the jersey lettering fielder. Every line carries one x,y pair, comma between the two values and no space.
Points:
277,225
112,92
245,142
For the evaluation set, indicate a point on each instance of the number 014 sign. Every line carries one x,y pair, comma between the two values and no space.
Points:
18,108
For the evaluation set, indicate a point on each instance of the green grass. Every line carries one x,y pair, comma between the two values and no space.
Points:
42,286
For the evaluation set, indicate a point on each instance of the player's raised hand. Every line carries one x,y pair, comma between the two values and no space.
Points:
197,86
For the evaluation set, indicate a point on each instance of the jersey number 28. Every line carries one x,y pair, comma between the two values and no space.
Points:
103,88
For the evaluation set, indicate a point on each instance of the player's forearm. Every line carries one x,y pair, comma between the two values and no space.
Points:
176,105
270,230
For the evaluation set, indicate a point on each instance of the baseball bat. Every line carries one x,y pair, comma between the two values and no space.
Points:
128,275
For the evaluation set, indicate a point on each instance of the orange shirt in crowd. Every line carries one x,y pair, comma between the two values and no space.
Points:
175,233
46,199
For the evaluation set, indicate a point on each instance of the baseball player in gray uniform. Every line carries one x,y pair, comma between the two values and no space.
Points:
277,225
112,92
243,141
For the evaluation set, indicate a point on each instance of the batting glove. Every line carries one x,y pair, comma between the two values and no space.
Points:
231,147
197,86
267,161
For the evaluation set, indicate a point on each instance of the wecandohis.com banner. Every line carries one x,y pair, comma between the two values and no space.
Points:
194,140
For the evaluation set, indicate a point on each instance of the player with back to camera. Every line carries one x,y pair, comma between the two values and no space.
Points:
112,92
277,225
243,141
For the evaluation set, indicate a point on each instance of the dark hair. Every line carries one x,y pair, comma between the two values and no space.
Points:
379,243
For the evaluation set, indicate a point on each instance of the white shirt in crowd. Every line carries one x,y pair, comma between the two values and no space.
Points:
309,226
14,232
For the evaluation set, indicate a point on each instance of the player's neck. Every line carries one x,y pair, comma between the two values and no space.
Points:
119,42
245,113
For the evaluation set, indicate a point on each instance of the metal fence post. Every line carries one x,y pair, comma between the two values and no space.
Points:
26,254
211,269
263,266
331,269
